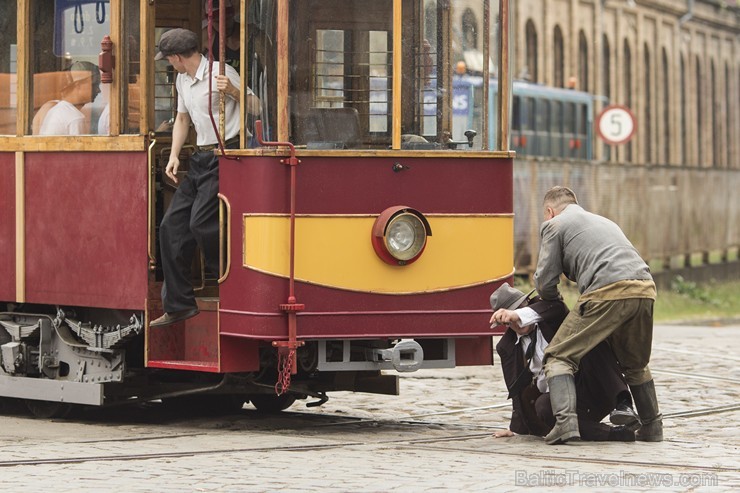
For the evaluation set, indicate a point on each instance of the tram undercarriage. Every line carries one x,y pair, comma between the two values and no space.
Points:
54,358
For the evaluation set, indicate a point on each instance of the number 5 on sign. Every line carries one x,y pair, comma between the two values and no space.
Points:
616,124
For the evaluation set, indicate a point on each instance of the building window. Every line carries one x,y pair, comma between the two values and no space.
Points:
699,114
666,110
628,89
684,102
648,107
606,62
583,61
558,75
531,51
470,30
729,111
714,115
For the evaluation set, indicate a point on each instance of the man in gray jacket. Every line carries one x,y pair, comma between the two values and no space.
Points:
616,300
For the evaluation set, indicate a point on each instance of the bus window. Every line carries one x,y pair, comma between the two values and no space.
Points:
8,101
66,93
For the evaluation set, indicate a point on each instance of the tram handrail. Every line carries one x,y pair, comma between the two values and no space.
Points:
222,234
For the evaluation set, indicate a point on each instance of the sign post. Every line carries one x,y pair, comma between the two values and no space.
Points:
616,124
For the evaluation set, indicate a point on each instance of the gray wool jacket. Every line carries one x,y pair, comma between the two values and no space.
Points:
589,249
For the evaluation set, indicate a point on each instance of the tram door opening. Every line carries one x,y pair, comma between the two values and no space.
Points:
169,15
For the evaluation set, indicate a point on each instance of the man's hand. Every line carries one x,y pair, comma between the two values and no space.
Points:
171,170
223,84
503,434
505,317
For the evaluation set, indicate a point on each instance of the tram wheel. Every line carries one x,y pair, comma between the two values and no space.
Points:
48,409
271,403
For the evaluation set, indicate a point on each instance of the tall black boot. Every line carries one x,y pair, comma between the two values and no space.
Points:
647,407
563,402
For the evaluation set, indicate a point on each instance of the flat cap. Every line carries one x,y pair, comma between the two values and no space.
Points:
507,297
176,42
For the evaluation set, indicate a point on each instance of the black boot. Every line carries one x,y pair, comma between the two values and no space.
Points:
647,408
563,402
621,434
624,415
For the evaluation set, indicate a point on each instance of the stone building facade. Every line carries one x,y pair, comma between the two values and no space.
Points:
675,63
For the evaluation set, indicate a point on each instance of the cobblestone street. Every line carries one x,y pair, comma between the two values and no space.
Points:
436,436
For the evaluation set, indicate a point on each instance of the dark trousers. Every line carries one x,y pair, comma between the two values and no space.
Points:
192,219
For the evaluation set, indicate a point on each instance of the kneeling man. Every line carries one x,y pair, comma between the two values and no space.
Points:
600,386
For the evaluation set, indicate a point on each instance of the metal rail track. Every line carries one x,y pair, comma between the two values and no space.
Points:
469,431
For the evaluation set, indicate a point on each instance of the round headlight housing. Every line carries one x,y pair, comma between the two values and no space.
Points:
400,235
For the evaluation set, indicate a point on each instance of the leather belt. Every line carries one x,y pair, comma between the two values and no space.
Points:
228,144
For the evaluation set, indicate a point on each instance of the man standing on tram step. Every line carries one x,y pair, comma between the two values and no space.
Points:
615,304
192,218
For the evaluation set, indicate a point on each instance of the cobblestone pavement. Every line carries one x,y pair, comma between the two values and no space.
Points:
436,436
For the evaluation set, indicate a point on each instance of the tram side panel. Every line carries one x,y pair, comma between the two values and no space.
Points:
7,227
86,229
347,290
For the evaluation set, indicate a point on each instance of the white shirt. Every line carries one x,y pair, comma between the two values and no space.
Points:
192,98
527,317
63,119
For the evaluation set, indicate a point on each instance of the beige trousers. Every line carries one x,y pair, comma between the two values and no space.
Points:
626,324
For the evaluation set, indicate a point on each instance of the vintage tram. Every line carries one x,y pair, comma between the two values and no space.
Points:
359,237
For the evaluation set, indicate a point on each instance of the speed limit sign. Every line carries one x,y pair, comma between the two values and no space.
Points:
616,124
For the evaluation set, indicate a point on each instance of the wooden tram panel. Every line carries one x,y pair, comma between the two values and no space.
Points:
7,226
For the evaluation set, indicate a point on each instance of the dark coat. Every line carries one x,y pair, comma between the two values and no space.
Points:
599,381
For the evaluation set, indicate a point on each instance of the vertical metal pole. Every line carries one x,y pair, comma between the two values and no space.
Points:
504,78
222,69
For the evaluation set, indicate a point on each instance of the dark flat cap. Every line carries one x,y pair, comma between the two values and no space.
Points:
176,42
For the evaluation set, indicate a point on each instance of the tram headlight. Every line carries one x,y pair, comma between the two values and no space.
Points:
400,235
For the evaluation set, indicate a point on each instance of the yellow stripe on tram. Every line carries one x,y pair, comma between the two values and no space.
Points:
336,251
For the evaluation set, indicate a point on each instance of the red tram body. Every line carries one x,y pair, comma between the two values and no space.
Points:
79,279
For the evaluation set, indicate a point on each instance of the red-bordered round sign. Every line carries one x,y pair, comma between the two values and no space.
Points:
616,124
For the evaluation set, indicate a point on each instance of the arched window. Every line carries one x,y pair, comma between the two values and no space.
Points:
531,51
647,123
731,109
606,67
683,138
583,61
628,89
699,115
558,76
666,103
714,115
470,30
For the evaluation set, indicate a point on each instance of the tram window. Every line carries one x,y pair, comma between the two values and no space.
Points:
569,118
528,114
165,95
131,104
583,119
8,58
66,36
516,119
557,116
542,116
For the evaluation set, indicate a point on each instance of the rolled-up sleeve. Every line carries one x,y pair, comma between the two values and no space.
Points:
549,263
